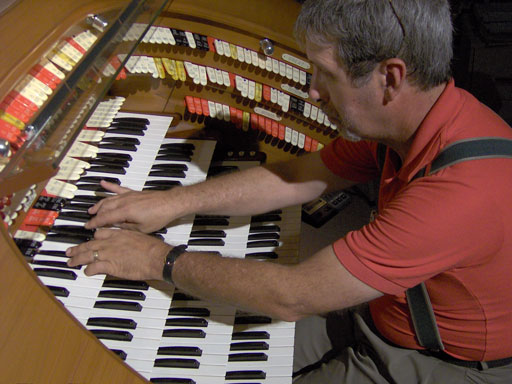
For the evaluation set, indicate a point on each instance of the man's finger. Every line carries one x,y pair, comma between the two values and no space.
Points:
113,187
98,267
105,233
109,216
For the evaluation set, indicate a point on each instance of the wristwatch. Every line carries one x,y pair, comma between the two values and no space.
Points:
170,259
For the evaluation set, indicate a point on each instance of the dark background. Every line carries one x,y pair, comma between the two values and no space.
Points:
483,52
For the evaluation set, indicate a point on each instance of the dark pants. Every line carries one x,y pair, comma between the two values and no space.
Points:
353,352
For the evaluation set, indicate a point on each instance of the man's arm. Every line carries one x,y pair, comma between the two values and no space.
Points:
315,286
253,191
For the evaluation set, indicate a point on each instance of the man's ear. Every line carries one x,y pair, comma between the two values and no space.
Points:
393,74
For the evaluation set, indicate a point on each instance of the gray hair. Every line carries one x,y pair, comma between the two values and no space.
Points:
367,32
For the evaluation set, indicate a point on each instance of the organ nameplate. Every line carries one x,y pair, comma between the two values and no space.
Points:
295,60
264,112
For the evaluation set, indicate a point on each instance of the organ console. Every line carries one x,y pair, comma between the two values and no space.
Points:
135,91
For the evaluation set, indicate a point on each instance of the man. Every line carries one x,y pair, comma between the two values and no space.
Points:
382,73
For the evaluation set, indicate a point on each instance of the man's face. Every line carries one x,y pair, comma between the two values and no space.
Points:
347,106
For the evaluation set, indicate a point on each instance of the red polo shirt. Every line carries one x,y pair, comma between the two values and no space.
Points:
452,230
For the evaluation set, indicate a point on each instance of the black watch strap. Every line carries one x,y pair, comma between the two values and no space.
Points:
170,259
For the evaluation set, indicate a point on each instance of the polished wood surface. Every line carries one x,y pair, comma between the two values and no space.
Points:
40,341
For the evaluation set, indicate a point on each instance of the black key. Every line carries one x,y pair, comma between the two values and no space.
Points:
114,156
126,284
166,166
54,264
134,128
212,217
245,375
87,199
265,217
126,131
168,173
97,179
123,294
77,206
217,233
171,380
72,230
119,146
249,346
180,351
264,236
109,162
175,152
263,243
177,363
56,273
119,305
111,334
174,158
186,322
160,237
264,228
128,125
81,217
248,335
183,332
253,319
115,170
58,291
51,252
121,354
182,296
249,356
188,146
189,311
162,231
112,322
261,255
120,140
162,183
68,239
207,242
133,120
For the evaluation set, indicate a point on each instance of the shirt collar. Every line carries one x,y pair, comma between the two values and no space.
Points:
429,137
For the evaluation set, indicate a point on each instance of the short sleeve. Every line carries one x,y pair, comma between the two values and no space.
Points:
355,161
427,229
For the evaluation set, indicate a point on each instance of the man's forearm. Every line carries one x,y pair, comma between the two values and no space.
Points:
249,285
260,189
249,192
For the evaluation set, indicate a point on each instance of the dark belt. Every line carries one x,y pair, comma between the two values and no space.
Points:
480,365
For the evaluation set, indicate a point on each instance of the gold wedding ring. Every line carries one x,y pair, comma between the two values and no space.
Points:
95,255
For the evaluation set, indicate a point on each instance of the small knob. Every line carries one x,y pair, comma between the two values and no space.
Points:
5,148
267,46
97,22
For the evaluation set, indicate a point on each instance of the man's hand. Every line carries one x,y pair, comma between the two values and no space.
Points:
142,211
121,253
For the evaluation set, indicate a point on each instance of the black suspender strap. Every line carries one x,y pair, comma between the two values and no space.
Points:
422,314
472,149
423,318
